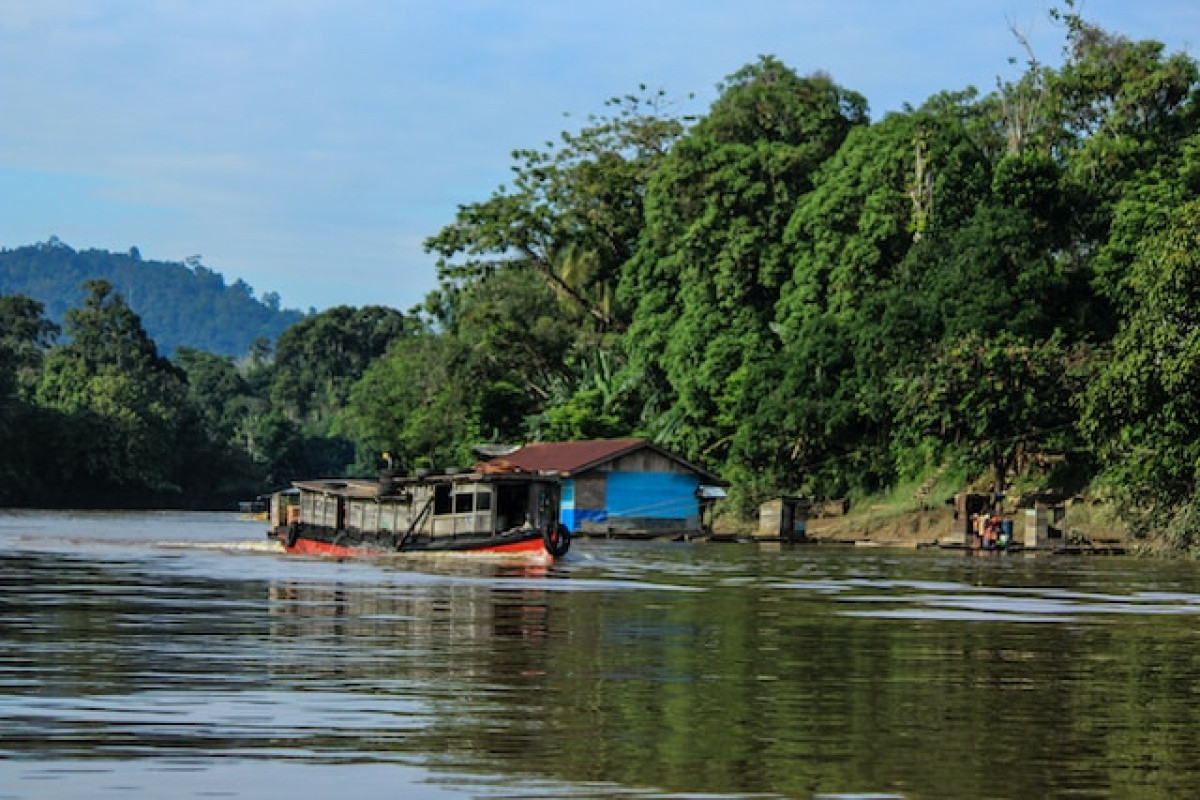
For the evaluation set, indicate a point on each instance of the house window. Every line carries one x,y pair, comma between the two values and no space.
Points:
483,501
464,503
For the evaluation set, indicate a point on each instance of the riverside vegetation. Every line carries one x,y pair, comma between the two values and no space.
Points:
997,288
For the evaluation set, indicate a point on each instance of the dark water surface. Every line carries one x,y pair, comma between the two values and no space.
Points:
177,655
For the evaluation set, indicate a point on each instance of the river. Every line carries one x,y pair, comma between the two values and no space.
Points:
149,655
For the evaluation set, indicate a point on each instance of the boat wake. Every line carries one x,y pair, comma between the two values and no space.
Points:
240,546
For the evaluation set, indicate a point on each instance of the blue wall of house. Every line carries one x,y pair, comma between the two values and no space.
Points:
655,497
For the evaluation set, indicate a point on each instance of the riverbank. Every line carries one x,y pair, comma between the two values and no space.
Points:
1077,523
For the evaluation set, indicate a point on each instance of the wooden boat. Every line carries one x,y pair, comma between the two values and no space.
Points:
501,512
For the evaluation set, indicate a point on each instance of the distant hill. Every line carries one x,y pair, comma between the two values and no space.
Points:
179,303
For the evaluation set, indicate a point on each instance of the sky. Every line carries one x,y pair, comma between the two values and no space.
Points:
309,147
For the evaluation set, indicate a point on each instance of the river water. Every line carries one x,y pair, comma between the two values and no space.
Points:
149,655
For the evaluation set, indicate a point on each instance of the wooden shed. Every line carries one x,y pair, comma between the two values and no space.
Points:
621,487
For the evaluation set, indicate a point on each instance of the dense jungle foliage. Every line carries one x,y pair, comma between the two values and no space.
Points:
184,304
1004,286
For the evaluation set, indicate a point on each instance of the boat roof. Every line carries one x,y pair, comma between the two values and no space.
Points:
342,486
369,488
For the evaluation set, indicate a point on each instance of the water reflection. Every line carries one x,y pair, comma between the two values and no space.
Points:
140,664
443,632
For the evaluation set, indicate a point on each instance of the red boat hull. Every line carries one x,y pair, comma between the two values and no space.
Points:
533,548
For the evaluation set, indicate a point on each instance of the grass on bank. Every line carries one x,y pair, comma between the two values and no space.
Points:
920,510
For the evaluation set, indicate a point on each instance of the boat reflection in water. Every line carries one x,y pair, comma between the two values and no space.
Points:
466,605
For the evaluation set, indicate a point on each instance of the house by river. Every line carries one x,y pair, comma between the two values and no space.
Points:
623,487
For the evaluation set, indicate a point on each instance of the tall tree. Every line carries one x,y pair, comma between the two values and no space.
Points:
493,357
1142,410
890,185
127,406
709,268
1125,109
223,458
25,334
218,390
573,214
319,358
852,310
413,402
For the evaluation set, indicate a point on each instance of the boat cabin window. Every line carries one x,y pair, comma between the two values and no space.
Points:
442,501
449,499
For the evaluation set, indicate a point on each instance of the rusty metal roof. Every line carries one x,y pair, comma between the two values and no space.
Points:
572,458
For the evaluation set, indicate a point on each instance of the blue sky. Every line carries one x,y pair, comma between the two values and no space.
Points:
308,147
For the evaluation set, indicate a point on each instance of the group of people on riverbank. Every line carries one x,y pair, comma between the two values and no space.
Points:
992,531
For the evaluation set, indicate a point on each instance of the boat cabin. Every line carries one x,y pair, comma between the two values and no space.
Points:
426,511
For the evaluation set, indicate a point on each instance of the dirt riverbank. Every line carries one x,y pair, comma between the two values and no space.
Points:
1079,523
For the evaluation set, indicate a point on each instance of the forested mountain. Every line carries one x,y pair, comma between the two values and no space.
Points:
1002,288
179,304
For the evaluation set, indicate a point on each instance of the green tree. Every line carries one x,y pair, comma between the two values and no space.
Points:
807,431
573,214
854,311
1125,111
25,334
593,400
493,357
1143,210
319,358
283,451
127,406
509,323
709,269
413,402
218,390
997,398
1142,411
228,412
